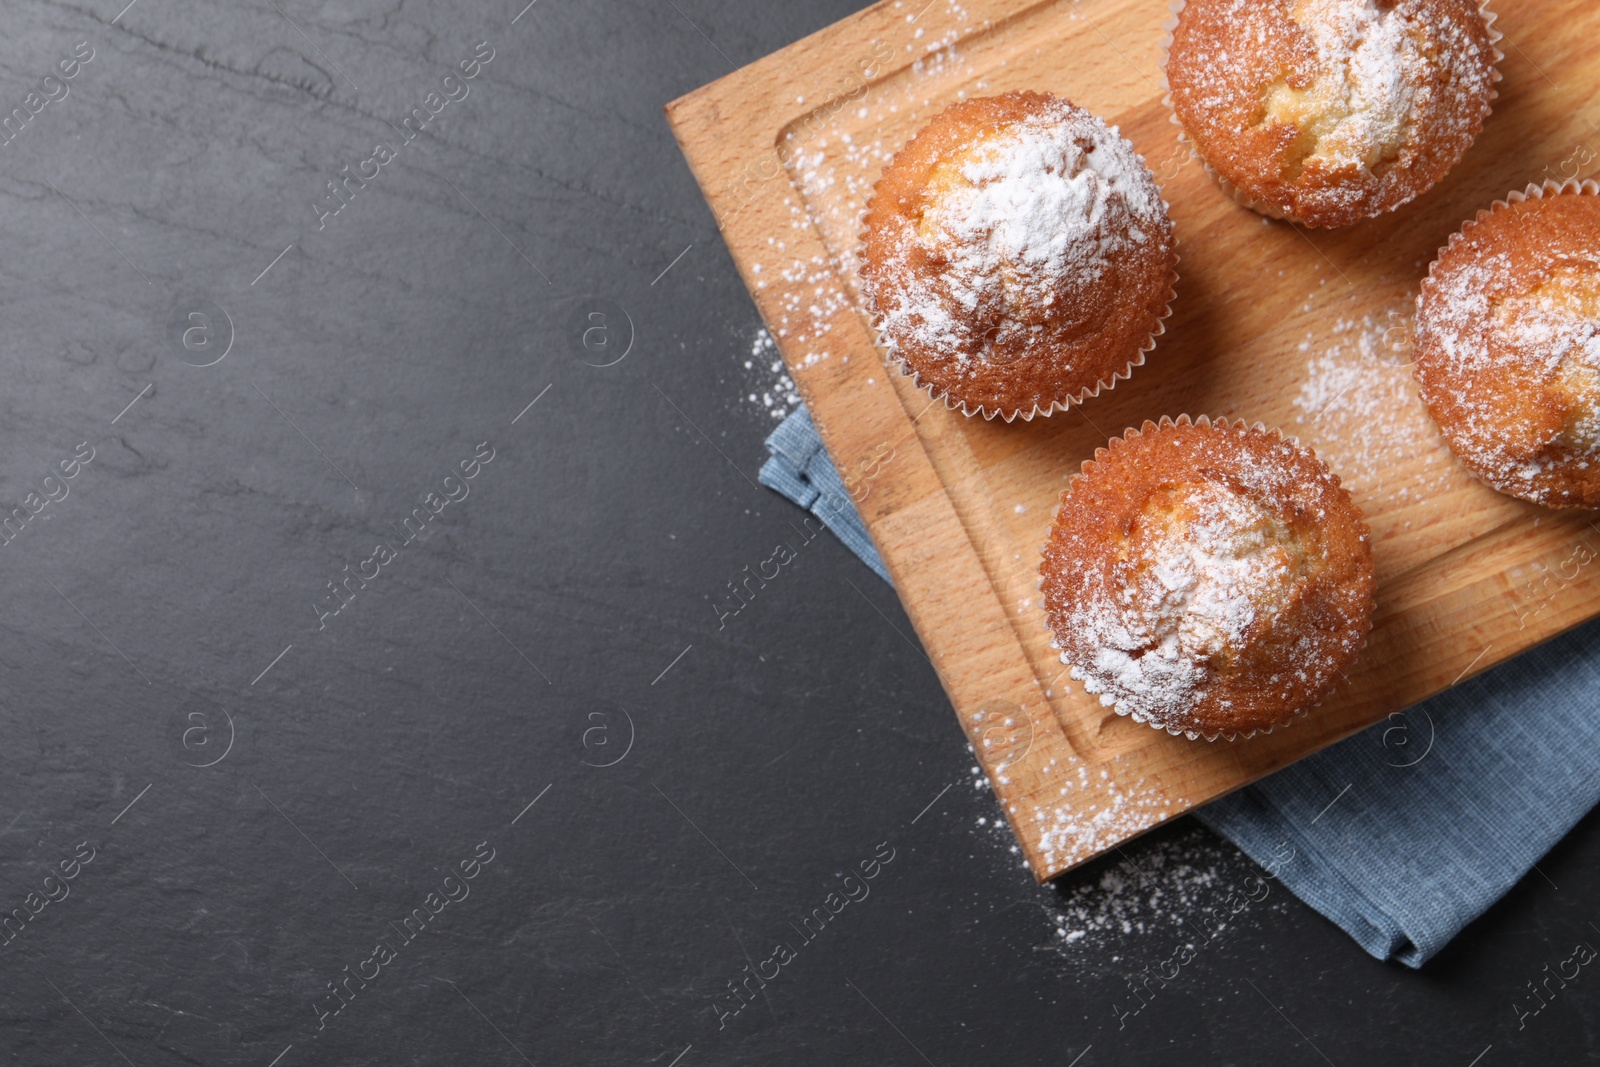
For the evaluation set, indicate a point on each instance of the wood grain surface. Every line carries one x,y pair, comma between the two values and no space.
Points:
1307,331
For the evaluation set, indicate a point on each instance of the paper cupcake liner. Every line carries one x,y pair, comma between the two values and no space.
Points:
1272,211
1205,422
894,360
1533,191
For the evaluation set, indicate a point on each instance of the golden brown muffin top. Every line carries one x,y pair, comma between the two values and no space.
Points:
1208,578
1017,254
1332,111
1508,345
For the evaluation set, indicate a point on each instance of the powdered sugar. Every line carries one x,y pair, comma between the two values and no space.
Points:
1175,882
1217,568
1510,348
771,388
1091,812
1460,299
1368,423
1033,214
1032,217
1378,99
1373,70
1177,886
1554,333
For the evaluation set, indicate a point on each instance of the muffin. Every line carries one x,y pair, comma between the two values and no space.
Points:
1508,344
1208,578
1327,112
1017,256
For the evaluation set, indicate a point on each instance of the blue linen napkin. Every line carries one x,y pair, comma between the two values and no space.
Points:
1402,834
801,470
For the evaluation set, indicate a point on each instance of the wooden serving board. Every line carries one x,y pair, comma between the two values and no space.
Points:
1303,330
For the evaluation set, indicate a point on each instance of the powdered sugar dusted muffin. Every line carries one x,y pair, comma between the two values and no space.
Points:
1208,578
1017,256
1331,111
1508,344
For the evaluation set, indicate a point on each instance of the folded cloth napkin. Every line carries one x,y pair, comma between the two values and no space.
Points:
801,470
1402,834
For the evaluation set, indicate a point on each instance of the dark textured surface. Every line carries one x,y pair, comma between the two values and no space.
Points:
507,651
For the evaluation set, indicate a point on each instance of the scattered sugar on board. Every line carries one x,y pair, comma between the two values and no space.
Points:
1361,411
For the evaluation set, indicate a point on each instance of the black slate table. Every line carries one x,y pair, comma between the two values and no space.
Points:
380,422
